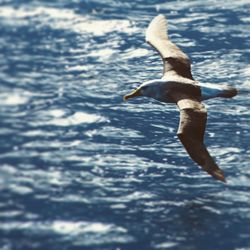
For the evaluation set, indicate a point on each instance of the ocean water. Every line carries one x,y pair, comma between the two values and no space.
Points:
80,168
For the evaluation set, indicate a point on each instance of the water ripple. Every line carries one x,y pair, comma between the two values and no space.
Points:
81,169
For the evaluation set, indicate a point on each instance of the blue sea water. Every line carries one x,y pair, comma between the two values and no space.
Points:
81,169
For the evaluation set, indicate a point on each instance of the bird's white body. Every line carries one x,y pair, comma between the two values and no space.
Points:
159,88
156,89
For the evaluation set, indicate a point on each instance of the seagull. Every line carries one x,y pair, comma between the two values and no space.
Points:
178,86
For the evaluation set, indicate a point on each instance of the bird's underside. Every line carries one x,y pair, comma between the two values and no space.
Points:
193,114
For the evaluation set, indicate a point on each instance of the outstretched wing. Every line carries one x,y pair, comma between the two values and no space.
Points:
193,118
176,62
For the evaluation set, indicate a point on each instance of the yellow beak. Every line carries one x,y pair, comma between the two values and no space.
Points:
136,92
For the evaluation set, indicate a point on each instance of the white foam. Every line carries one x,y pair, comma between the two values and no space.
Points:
68,227
65,227
76,119
166,245
63,19
78,68
13,99
56,113
133,53
102,53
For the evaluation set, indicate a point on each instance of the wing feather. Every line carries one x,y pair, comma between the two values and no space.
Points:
176,62
192,125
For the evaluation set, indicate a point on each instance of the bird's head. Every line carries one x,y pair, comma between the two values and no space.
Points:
151,88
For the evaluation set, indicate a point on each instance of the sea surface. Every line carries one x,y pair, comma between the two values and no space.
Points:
80,168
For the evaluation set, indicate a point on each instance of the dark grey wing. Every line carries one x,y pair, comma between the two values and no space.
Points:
176,62
192,126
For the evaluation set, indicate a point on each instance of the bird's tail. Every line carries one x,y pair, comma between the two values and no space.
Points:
209,90
228,92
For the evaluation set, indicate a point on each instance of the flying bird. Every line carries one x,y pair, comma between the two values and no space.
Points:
178,86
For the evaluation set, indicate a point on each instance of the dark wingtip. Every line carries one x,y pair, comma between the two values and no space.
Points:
213,169
219,175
